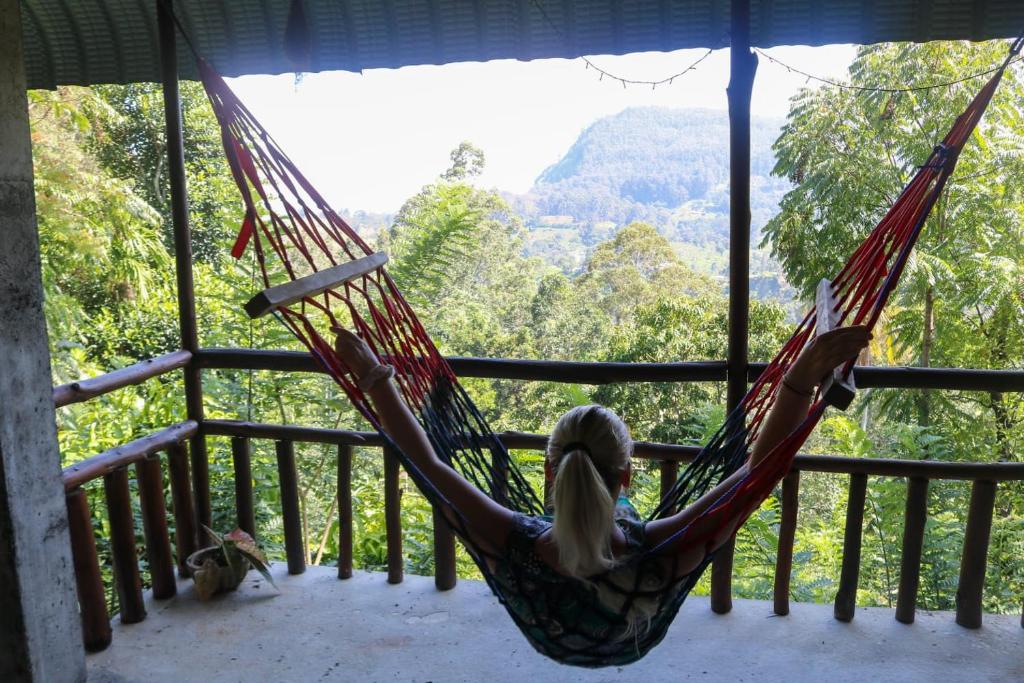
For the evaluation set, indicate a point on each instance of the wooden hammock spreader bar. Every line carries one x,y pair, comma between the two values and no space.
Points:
313,284
836,390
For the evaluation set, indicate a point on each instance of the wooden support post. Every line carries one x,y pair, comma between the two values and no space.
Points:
669,470
914,520
291,516
122,546
154,525
846,597
345,512
393,517
444,553
185,536
742,65
975,554
837,391
241,458
787,534
92,603
183,254
40,629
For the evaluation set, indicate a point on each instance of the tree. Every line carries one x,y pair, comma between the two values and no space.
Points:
960,304
131,143
850,154
638,266
467,162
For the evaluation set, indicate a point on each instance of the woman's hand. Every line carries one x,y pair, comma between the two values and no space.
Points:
355,352
824,354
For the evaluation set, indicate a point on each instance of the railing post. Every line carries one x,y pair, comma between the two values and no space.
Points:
183,253
914,520
742,66
787,534
290,513
241,458
122,546
393,516
846,597
154,526
669,470
975,554
444,553
92,603
499,465
344,512
185,537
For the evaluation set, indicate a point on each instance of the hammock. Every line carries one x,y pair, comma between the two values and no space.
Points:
318,273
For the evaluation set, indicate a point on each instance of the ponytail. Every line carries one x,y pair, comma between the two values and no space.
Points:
584,521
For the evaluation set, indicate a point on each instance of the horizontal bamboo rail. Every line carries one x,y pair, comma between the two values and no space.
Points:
578,372
645,450
85,389
99,465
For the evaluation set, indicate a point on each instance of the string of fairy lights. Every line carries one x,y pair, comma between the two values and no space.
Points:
670,80
604,73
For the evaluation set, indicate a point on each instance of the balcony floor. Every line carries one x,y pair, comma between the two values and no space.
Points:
321,629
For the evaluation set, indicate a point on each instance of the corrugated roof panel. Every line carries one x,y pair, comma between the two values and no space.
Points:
104,41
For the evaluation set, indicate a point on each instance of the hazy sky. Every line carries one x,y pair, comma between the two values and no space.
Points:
369,141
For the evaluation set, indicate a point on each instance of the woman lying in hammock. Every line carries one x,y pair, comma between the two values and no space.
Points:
573,582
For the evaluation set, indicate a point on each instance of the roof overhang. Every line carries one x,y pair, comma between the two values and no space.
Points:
115,41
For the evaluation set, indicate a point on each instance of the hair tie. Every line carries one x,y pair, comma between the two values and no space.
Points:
575,446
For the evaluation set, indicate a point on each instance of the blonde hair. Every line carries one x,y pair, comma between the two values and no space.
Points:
588,451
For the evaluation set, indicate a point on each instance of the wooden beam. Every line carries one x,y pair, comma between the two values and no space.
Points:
587,372
742,68
313,284
838,391
187,324
645,450
106,462
85,389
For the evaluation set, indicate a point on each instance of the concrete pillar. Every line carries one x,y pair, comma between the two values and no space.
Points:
40,634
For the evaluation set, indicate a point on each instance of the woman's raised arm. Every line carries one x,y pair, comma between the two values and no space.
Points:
819,358
489,523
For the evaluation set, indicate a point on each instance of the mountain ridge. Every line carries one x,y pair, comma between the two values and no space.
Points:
667,166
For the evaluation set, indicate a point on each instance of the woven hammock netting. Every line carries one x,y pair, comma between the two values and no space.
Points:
295,232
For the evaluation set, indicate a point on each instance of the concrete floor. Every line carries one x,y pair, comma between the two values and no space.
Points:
318,628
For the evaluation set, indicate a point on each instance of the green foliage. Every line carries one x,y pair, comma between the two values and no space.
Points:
628,294
667,167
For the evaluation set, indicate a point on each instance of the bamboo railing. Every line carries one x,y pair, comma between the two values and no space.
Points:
147,454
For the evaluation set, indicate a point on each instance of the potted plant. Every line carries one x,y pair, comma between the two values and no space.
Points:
222,566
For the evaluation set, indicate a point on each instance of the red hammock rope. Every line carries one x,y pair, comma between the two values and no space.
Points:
283,211
295,232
